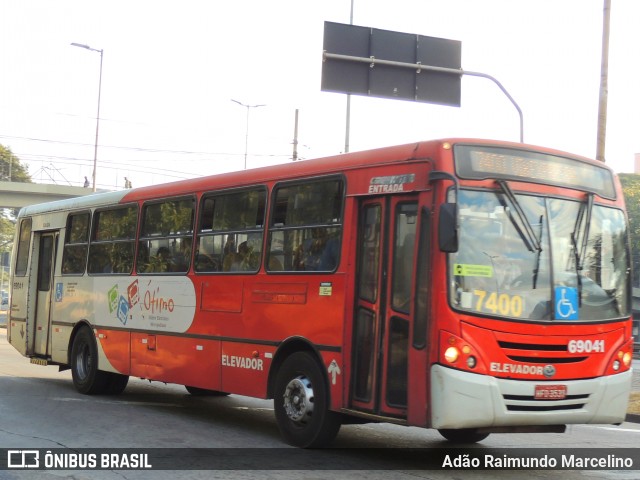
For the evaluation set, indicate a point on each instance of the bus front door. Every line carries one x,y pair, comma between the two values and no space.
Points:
383,310
47,244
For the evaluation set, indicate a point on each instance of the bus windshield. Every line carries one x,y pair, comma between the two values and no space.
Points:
539,258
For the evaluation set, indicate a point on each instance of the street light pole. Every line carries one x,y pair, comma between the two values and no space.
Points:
246,135
95,148
604,83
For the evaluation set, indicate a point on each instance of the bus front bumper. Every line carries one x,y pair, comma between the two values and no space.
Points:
465,400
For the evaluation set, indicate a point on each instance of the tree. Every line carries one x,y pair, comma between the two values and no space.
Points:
11,169
631,188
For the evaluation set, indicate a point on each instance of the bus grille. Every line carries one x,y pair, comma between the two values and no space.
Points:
539,353
525,403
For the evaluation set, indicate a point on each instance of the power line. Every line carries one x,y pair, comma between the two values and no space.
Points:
133,165
137,149
107,165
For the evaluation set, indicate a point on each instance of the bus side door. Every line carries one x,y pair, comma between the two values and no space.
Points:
47,246
383,311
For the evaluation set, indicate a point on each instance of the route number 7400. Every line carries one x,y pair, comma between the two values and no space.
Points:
503,303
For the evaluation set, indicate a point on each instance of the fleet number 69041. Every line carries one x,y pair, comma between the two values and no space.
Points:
586,346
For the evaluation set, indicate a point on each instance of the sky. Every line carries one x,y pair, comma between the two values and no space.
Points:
171,70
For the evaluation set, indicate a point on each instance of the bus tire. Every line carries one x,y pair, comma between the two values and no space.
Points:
203,392
116,383
301,403
84,364
463,435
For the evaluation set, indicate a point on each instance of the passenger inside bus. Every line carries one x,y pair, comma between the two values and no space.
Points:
181,259
317,253
241,260
162,260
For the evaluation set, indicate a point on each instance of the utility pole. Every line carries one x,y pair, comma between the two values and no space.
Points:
604,83
295,138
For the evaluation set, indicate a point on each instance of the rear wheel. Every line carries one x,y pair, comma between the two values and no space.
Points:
463,435
301,403
84,364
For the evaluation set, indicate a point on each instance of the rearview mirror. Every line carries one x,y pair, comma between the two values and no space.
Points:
448,228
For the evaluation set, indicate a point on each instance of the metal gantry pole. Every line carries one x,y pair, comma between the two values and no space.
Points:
418,67
347,130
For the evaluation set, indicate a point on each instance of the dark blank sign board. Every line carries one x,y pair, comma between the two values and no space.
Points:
386,81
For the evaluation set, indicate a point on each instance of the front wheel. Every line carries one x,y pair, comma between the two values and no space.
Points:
463,435
301,403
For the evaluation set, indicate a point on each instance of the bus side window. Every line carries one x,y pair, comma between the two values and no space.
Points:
306,226
230,231
166,236
24,240
113,240
76,244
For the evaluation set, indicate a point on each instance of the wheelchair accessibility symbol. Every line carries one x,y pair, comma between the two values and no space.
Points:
566,299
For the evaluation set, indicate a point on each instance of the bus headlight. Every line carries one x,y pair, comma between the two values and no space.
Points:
451,354
460,353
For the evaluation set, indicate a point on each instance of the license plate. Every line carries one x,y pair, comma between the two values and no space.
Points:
550,392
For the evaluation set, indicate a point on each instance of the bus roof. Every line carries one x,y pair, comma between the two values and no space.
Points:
319,166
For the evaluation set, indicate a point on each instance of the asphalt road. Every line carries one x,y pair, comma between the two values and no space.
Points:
40,409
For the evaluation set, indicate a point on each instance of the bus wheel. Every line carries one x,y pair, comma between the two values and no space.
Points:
116,383
463,435
203,392
301,403
84,364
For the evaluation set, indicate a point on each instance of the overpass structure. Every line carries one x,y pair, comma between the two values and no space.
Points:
18,194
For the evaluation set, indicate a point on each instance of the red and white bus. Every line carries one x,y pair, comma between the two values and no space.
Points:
465,285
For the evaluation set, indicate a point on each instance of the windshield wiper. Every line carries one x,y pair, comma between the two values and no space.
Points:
520,222
584,216
536,270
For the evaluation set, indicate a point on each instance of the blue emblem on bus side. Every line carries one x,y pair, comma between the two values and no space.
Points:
566,299
58,292
123,310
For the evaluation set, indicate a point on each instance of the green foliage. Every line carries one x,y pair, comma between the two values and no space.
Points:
239,211
631,188
11,170
168,218
116,224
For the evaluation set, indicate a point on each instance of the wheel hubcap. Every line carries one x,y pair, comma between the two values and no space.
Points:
83,362
298,399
